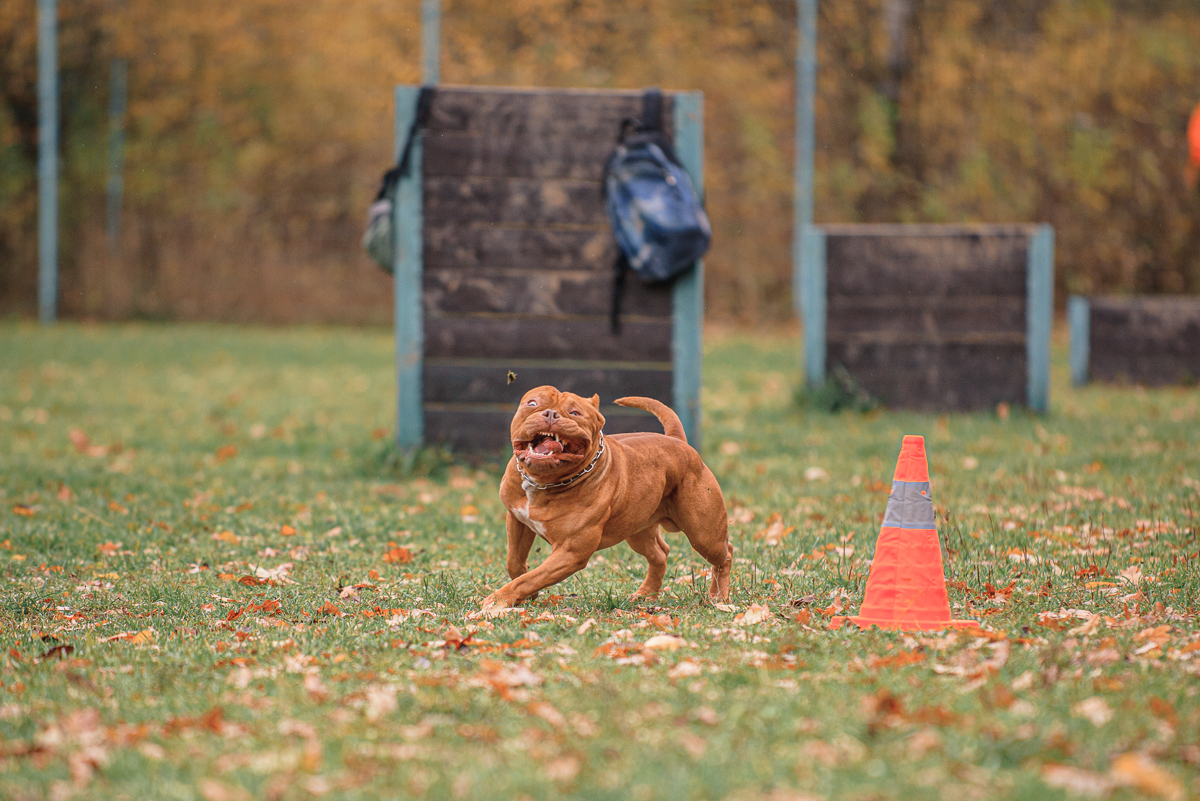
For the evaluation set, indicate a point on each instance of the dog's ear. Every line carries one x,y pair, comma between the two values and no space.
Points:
596,402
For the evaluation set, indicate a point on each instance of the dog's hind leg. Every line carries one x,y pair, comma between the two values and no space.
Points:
700,513
649,543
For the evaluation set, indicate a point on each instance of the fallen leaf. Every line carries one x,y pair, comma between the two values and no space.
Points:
757,613
1140,771
287,531
775,531
664,642
226,536
1095,710
398,556
548,713
1076,780
685,669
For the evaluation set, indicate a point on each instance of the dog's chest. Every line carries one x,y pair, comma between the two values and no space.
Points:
521,511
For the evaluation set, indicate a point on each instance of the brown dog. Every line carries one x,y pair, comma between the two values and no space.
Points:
581,492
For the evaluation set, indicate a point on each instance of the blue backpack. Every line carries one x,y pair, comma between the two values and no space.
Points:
657,217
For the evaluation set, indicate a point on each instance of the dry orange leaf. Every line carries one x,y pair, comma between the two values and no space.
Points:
23,510
226,452
287,531
329,609
373,574
226,536
398,556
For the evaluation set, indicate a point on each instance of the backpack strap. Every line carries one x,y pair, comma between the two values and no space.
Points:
620,268
404,165
652,109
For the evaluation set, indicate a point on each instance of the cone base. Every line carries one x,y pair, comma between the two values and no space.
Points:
901,625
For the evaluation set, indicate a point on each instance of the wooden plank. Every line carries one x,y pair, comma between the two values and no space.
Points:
540,292
526,201
528,133
407,268
515,337
949,264
485,427
545,156
506,112
489,245
935,317
952,377
1145,340
687,318
486,381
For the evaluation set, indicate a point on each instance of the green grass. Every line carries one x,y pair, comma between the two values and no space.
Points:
195,431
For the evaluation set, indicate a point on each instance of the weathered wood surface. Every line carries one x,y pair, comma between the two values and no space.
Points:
513,201
551,293
929,317
925,317
1145,340
474,427
452,246
506,337
527,134
486,381
905,261
929,377
518,259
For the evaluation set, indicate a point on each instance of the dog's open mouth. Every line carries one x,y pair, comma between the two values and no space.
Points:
546,447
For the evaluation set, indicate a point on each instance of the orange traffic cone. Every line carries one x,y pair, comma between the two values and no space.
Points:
906,588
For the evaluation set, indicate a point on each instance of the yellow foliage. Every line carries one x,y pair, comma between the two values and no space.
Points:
257,130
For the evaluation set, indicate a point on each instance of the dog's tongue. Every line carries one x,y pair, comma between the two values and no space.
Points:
548,445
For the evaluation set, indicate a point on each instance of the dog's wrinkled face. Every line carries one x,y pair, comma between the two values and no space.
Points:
555,432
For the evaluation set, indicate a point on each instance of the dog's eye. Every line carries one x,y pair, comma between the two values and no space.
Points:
575,412
532,403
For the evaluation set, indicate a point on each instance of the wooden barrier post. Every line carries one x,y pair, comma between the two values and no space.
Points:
408,268
47,92
814,301
687,297
1039,316
1079,321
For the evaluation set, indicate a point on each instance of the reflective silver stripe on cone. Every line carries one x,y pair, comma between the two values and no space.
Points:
909,506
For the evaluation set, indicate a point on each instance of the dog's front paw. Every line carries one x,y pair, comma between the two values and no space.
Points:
492,606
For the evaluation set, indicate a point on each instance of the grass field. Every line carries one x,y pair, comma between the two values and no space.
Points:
220,582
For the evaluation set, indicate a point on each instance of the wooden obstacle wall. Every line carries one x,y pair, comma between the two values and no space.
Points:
1151,340
931,317
505,265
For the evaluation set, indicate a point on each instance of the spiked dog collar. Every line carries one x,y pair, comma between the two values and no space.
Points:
527,480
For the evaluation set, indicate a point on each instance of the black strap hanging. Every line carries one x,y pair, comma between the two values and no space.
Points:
420,120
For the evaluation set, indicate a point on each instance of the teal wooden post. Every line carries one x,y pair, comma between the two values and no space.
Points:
117,87
47,90
407,273
431,42
808,244
802,169
687,307
1039,315
1079,321
813,302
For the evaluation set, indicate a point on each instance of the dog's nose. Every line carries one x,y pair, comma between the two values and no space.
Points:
550,415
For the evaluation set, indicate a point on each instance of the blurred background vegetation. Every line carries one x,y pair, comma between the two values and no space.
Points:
257,132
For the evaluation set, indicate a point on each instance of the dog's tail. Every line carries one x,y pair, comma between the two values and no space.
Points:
670,421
